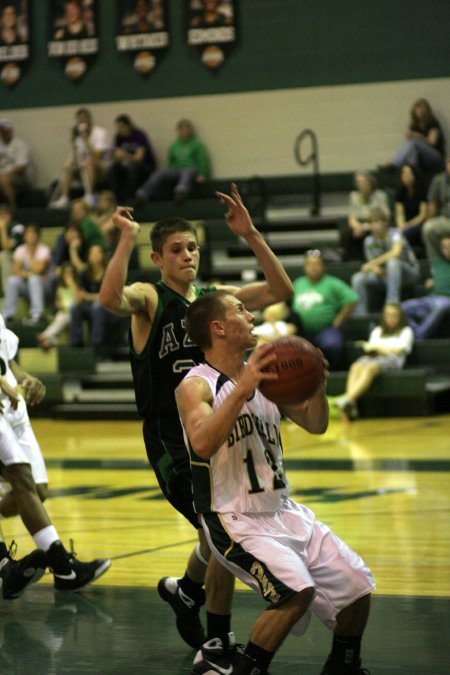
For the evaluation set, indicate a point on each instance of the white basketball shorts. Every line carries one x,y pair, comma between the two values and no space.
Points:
279,554
18,444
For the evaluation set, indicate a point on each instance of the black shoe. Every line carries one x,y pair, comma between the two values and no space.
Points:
16,575
214,658
71,574
332,668
186,609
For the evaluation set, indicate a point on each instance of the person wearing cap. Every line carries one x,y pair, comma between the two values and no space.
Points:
14,163
438,224
321,303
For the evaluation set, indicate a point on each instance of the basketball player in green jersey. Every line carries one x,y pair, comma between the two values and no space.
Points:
161,354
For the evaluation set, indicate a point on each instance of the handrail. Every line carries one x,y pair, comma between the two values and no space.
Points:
313,158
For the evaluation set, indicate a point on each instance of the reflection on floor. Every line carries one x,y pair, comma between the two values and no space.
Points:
121,631
382,485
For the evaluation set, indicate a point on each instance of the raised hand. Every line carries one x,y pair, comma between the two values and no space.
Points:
237,216
123,219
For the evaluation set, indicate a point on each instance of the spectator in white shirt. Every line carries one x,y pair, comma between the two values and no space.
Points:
387,348
88,161
14,163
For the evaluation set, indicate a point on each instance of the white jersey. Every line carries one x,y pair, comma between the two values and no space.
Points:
9,344
246,474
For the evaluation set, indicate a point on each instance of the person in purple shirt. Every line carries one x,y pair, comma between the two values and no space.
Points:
133,160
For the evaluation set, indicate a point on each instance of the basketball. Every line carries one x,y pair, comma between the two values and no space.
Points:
299,368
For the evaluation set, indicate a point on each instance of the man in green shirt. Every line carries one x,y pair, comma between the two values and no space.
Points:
187,163
322,303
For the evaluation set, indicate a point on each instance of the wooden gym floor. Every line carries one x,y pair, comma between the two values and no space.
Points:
383,486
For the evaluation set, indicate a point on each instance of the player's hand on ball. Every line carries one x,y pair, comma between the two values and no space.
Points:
252,372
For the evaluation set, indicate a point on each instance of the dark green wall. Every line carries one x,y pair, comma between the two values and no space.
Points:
283,44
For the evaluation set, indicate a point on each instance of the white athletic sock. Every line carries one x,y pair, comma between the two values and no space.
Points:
45,537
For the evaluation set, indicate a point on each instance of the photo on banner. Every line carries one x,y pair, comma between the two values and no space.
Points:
142,32
14,39
73,35
211,29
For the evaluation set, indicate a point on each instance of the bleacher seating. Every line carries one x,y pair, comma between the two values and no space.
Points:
99,383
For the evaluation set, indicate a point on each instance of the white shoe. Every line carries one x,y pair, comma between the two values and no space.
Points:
90,200
60,203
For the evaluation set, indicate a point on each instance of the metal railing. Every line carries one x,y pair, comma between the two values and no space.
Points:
311,158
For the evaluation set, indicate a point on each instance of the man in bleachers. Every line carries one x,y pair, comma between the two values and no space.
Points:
425,314
322,302
15,169
438,224
187,164
390,263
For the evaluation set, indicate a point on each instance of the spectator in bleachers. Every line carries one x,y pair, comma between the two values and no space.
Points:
88,161
426,314
104,211
365,197
15,167
411,205
425,145
391,263
31,266
65,297
11,235
87,306
80,214
438,224
275,323
321,303
133,160
387,348
187,164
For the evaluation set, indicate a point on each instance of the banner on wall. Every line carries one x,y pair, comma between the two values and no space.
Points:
142,32
14,40
211,29
73,35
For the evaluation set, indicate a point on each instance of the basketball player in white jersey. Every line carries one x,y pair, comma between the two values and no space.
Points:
23,467
269,541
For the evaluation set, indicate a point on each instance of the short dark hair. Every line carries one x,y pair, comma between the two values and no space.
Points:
124,119
199,315
167,226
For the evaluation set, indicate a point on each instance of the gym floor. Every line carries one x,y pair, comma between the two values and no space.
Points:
382,485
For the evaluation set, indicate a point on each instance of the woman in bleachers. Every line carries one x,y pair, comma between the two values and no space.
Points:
365,197
424,146
386,349
411,206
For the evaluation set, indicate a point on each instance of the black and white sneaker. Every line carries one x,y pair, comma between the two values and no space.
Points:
186,609
16,575
214,658
69,573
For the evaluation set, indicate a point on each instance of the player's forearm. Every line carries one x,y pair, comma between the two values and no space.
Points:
278,282
111,291
313,415
214,430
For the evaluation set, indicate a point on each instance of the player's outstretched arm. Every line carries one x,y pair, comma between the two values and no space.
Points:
278,286
114,295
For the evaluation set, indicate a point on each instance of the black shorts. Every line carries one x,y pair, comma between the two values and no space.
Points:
169,459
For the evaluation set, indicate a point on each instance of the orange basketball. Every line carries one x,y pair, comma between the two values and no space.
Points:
299,368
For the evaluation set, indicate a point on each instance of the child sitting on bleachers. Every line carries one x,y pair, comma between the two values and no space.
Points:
387,348
65,296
